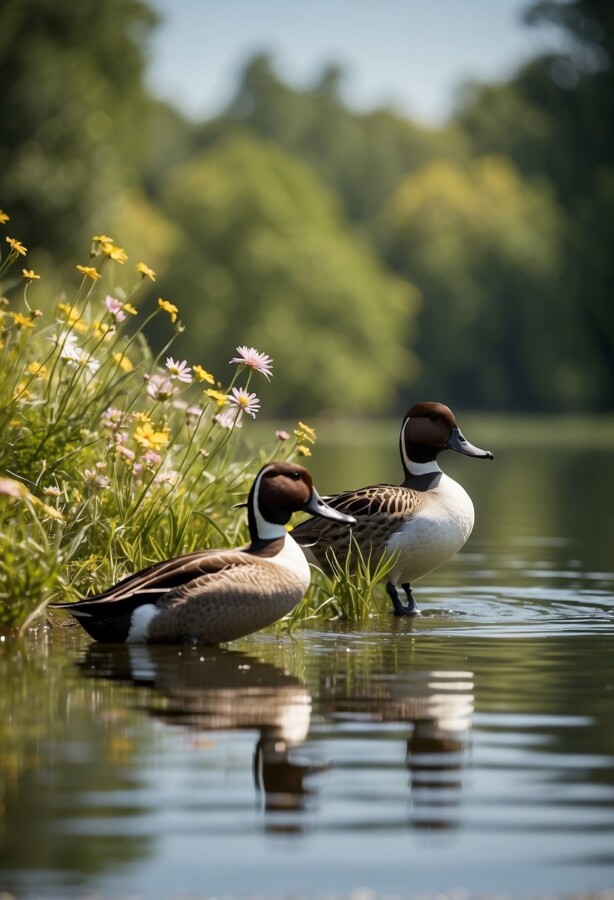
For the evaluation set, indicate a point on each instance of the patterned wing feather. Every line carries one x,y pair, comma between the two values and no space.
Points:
379,510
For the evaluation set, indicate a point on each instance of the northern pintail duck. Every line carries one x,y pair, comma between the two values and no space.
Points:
213,596
422,522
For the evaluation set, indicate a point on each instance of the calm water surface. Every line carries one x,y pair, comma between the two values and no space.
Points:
468,751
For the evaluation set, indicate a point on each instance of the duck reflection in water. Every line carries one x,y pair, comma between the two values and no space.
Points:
437,706
214,689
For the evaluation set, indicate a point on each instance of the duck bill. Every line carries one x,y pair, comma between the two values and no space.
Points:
460,444
317,507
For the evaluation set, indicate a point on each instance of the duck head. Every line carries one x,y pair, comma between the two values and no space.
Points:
280,489
428,429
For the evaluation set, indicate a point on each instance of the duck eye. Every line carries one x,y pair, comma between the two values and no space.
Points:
295,476
433,417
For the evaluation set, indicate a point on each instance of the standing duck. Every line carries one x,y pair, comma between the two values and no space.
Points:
421,522
213,596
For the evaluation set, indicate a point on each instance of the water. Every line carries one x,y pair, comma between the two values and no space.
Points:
469,752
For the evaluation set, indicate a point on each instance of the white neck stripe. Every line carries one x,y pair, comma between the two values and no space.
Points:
267,531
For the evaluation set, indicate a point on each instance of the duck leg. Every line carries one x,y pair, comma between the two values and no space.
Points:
399,608
412,607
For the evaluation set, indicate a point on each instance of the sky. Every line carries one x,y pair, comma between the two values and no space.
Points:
411,55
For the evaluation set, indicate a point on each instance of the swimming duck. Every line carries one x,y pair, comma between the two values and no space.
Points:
422,522
213,596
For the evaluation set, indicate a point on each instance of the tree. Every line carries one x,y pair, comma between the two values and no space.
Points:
72,108
481,245
270,261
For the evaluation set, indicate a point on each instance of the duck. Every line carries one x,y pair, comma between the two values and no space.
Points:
214,596
420,523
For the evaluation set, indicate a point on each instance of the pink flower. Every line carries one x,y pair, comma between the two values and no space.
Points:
114,308
259,362
229,418
160,387
248,403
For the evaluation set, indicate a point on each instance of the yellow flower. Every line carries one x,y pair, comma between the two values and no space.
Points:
141,417
102,330
129,308
90,271
145,271
35,368
170,308
113,252
123,362
4,217
17,247
305,433
30,275
303,450
73,319
148,437
102,239
21,321
220,398
203,375
52,512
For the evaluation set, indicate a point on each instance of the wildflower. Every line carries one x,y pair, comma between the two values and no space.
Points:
73,353
203,375
145,271
170,477
111,418
52,513
179,370
96,479
73,318
117,253
248,403
20,320
160,388
123,362
170,308
30,275
102,330
141,417
4,217
11,488
52,491
114,308
220,398
303,450
193,412
89,272
229,418
17,248
305,433
129,308
148,437
37,369
102,239
152,459
282,435
259,362
125,453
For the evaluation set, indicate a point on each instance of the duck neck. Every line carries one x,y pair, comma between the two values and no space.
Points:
264,525
421,475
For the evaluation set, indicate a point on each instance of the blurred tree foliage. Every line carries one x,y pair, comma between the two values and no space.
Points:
310,230
269,260
73,109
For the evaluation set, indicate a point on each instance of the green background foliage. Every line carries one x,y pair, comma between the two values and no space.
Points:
376,260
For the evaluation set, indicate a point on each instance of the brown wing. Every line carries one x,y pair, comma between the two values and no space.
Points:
379,510
149,584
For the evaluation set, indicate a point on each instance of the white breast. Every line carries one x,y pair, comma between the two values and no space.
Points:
433,534
291,557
